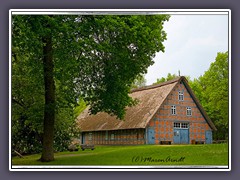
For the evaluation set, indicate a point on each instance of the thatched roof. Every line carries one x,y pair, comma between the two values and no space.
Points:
150,99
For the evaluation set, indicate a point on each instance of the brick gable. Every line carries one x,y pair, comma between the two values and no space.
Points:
163,121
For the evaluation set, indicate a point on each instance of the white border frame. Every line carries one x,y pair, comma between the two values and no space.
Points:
118,12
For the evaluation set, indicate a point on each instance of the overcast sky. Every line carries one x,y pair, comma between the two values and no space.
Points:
192,44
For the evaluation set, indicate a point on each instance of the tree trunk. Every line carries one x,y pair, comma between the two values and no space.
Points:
49,109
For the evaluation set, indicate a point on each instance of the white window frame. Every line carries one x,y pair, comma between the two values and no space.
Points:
180,95
184,125
189,111
177,125
181,125
173,110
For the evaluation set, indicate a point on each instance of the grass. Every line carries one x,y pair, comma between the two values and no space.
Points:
212,154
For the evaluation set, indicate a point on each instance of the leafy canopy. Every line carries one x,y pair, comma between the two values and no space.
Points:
96,57
213,87
123,48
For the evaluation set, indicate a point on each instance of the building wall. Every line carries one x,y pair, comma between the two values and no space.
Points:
163,122
116,137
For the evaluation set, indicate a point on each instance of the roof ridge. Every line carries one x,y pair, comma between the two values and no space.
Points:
157,85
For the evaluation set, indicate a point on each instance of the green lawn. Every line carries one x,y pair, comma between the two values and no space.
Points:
213,154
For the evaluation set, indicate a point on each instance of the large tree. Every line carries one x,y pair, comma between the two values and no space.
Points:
94,57
28,107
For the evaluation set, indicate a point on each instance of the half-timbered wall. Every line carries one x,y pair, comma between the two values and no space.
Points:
115,137
163,122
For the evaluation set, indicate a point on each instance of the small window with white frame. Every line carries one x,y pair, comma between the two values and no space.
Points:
189,111
176,125
184,125
173,110
180,96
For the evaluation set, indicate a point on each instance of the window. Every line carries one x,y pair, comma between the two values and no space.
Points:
90,136
180,95
177,125
184,125
181,125
173,110
106,136
189,111
112,136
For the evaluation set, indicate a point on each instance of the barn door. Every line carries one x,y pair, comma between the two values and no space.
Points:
151,136
208,137
184,136
181,136
181,133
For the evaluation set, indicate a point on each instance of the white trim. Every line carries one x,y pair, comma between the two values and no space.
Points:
181,94
120,11
173,110
121,168
180,125
229,86
10,90
188,110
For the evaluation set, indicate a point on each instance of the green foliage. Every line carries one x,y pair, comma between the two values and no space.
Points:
28,107
212,91
81,105
168,78
140,81
27,103
124,48
102,55
95,57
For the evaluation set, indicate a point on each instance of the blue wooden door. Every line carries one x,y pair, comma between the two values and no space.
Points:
208,137
176,137
184,139
151,136
181,136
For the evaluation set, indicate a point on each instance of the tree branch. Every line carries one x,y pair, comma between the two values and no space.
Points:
18,102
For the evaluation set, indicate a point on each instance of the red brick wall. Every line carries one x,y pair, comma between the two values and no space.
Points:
120,137
163,122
